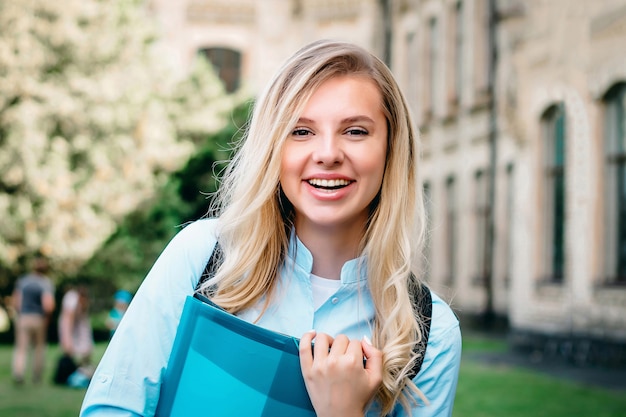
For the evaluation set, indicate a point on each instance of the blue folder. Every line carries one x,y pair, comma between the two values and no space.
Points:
222,366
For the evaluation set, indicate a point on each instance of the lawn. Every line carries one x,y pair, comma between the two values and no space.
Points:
505,391
483,391
45,400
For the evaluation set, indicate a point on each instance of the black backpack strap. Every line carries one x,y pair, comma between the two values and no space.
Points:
211,266
422,304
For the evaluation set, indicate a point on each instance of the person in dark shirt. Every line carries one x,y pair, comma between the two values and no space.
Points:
33,300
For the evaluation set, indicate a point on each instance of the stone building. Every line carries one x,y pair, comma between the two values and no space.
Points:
248,39
531,94
522,111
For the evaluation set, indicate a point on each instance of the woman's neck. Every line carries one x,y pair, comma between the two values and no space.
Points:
330,248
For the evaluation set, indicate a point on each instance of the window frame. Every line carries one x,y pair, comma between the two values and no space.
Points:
481,211
614,161
553,135
227,65
451,220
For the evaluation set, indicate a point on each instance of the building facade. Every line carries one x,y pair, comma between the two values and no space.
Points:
521,107
251,38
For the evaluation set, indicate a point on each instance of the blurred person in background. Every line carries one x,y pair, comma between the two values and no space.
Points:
121,300
76,334
33,303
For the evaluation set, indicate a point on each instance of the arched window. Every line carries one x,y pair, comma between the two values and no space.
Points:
615,184
227,64
553,135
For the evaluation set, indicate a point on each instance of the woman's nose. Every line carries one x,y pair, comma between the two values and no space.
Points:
328,150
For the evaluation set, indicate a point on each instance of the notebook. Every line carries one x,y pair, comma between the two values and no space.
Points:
223,366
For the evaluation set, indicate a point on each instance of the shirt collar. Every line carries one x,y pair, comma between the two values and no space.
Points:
353,271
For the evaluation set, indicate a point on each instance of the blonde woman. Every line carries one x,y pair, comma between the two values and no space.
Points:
320,221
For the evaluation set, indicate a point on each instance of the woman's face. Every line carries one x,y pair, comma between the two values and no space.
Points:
333,162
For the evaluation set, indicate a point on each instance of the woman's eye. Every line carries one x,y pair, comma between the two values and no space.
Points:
300,132
356,132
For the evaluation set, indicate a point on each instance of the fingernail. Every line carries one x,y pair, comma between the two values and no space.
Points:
367,340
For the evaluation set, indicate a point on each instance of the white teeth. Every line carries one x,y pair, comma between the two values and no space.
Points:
328,183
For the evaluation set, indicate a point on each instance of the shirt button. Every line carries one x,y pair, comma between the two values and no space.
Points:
335,300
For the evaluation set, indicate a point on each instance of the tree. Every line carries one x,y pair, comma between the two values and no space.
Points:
92,121
126,257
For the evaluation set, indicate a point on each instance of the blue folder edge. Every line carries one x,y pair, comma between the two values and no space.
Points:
210,344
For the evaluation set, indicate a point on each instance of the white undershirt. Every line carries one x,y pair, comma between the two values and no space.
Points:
322,289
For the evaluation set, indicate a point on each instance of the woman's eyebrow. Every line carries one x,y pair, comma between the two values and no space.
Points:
356,119
351,119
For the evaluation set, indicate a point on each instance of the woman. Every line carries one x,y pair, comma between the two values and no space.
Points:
75,332
75,338
320,223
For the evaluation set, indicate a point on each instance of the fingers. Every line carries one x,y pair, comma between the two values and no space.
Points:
339,351
306,350
333,371
339,346
328,352
323,343
374,362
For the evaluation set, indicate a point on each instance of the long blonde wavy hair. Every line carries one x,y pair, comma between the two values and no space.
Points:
255,224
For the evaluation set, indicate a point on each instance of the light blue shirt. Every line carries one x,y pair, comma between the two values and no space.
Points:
128,379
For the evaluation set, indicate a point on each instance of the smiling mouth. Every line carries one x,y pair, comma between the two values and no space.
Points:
329,184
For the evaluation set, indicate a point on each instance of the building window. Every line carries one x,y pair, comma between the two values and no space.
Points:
615,184
459,33
431,69
227,64
481,222
481,51
450,231
553,126
412,53
428,212
508,224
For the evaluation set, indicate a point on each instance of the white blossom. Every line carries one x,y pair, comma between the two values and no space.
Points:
90,113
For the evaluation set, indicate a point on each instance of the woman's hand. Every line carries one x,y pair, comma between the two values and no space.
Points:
338,382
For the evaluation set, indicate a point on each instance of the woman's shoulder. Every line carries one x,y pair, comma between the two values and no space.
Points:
200,228
444,321
196,233
439,374
188,251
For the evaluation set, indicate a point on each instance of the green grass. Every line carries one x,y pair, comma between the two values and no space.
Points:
506,391
483,391
44,400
